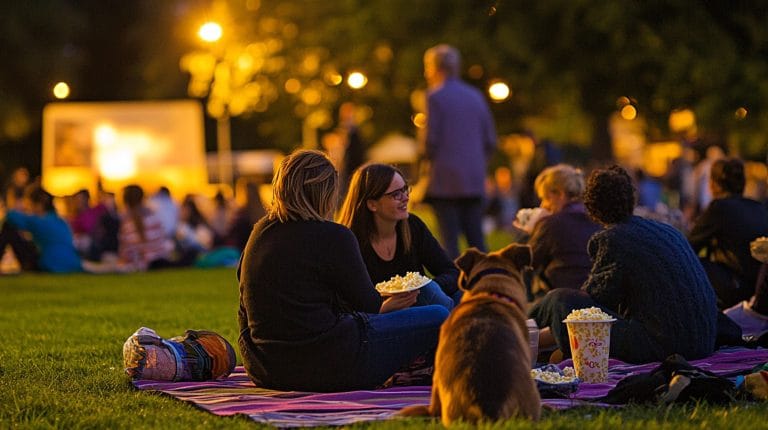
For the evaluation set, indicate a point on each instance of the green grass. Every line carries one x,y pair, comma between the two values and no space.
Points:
61,357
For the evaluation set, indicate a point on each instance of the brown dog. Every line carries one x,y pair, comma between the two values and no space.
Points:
483,361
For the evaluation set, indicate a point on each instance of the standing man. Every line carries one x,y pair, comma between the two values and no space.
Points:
460,138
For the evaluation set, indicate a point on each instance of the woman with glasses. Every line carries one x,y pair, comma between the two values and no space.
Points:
393,241
309,317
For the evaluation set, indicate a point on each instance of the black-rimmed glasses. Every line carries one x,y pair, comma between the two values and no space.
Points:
400,193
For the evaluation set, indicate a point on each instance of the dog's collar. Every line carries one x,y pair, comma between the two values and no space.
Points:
499,296
467,284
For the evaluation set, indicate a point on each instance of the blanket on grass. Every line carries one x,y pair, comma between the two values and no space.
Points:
236,394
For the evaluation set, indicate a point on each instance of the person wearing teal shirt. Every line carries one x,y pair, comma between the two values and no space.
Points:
52,247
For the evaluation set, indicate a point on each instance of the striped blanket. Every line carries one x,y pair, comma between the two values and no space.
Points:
236,394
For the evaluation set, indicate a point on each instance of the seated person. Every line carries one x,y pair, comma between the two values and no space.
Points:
752,315
310,318
194,235
559,241
142,242
645,275
393,241
84,220
724,231
52,247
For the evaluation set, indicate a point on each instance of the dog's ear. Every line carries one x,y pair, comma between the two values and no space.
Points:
518,254
466,261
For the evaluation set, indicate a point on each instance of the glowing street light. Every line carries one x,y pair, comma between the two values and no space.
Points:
210,31
681,120
629,112
61,90
357,80
499,91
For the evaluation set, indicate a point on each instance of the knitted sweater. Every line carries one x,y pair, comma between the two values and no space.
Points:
648,274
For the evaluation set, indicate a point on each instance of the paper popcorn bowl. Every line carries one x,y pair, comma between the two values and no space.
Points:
590,342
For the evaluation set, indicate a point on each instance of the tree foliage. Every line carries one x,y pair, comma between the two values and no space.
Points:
567,62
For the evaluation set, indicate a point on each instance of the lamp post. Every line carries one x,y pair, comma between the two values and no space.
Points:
233,74
209,71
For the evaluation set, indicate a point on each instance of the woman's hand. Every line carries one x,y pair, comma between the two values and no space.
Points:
398,301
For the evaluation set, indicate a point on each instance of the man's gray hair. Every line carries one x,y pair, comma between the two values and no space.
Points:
445,58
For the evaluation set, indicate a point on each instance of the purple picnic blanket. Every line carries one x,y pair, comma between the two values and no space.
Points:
236,394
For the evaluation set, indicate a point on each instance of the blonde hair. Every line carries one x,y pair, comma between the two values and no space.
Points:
561,177
305,187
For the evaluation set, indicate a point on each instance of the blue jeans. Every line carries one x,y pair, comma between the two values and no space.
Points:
455,216
432,294
395,339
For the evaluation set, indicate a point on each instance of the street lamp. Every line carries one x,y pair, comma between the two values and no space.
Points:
208,70
499,91
357,80
232,74
61,90
210,32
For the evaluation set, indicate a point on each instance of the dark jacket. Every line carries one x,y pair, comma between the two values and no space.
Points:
725,229
559,245
294,277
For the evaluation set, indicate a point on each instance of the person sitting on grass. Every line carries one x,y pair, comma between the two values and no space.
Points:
752,314
393,241
723,232
559,239
644,274
309,316
52,247
142,242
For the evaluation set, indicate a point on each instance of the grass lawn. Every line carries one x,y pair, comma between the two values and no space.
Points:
61,357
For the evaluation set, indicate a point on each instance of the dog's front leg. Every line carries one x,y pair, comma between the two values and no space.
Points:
433,409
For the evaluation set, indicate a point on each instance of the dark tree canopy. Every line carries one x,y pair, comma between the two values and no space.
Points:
567,62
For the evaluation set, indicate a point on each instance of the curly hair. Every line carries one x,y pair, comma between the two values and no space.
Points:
610,195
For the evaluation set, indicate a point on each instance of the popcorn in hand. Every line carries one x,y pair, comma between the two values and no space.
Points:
399,284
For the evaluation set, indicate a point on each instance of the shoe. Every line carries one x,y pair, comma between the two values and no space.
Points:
752,324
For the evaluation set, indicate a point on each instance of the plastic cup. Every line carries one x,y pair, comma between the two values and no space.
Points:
590,342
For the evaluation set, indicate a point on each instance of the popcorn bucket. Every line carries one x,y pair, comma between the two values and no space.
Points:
590,342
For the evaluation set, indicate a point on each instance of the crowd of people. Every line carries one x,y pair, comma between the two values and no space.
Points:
139,233
307,265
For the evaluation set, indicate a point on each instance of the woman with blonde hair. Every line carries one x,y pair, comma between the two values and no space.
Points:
559,239
392,240
310,318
